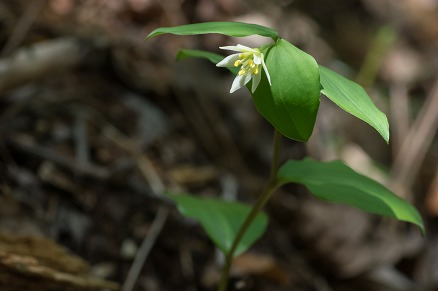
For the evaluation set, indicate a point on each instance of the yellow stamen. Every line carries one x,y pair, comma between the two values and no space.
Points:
242,72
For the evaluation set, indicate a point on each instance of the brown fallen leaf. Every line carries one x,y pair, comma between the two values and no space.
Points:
261,265
192,175
36,263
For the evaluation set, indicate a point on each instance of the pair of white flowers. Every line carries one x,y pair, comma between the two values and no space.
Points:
249,60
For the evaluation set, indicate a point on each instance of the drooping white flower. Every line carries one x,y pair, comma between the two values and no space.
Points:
249,61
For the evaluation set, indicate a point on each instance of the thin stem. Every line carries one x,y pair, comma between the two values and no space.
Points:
261,202
275,157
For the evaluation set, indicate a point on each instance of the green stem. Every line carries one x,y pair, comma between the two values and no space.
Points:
261,202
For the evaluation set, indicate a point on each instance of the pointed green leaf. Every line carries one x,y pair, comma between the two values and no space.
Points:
212,57
222,220
291,103
186,53
236,29
336,182
351,97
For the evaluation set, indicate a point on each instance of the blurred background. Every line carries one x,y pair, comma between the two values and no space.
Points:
95,122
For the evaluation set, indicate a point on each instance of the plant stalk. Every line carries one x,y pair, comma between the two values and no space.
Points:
270,188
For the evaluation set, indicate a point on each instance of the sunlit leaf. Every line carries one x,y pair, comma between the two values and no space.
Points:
236,29
291,103
351,97
222,220
336,182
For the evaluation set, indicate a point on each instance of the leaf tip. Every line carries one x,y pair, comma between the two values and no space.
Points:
155,32
385,133
422,229
386,137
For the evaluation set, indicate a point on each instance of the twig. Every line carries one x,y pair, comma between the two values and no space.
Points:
38,60
143,162
133,149
400,121
157,187
81,138
145,248
25,143
416,143
23,27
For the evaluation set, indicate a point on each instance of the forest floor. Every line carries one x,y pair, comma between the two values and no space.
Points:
95,122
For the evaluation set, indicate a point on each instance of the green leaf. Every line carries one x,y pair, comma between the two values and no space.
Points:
336,182
291,103
222,220
236,29
351,97
212,57
186,53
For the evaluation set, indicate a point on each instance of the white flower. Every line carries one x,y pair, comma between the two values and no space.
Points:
249,60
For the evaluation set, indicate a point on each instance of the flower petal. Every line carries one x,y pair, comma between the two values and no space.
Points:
258,58
246,78
256,81
249,62
228,61
239,48
239,82
246,49
231,48
266,71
